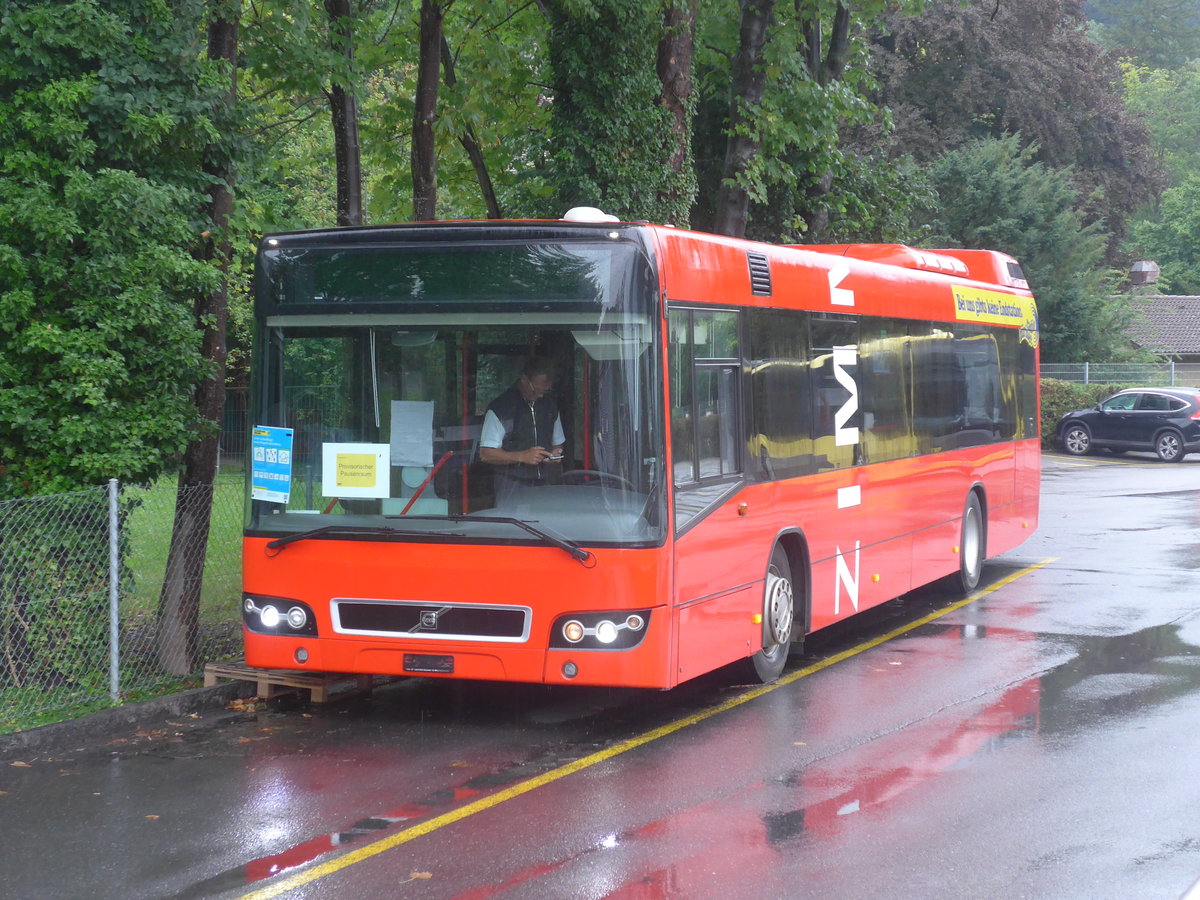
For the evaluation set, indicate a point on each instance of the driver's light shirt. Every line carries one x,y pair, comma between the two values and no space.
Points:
492,434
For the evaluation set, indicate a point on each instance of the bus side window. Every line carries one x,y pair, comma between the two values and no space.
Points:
704,365
705,368
680,362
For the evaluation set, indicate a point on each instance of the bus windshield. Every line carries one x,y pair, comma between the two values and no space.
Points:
385,372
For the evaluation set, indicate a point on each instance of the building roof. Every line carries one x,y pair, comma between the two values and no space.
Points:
1166,323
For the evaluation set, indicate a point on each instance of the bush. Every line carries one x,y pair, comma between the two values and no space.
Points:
1060,397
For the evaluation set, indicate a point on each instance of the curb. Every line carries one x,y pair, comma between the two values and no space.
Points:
107,724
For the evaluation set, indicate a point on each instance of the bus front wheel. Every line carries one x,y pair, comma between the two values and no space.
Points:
779,616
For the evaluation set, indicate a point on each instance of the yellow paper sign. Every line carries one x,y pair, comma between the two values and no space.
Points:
355,470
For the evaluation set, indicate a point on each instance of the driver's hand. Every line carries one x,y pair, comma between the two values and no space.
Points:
534,455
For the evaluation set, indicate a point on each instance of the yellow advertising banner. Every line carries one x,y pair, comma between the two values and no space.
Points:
997,308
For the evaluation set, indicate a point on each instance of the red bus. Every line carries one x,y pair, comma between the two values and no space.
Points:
744,443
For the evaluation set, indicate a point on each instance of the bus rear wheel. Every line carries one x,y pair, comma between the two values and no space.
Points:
779,616
972,545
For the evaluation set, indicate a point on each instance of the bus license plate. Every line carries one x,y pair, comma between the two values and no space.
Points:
424,662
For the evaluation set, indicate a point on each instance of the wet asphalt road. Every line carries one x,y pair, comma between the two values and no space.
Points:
1042,741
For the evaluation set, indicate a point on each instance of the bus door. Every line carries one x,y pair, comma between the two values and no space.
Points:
719,562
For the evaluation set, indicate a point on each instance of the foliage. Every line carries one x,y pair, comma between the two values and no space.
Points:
1169,102
1172,238
497,53
873,199
993,194
1154,32
497,56
612,139
802,170
103,115
963,71
287,66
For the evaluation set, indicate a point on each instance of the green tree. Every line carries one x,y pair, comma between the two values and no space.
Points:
460,114
1162,33
1169,102
341,93
179,601
1172,238
992,193
778,85
104,115
961,71
616,138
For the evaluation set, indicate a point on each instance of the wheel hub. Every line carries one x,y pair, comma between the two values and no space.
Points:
777,624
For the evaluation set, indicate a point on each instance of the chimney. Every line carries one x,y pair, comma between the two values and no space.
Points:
1144,271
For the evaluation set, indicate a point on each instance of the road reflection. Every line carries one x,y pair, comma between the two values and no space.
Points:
771,778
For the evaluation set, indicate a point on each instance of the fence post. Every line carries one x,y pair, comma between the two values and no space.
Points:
1085,374
114,575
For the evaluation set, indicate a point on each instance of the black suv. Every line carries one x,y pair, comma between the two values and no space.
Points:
1165,420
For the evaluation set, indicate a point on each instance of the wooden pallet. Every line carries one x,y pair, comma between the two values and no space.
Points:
271,682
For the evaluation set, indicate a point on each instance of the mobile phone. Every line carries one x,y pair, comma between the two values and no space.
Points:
554,458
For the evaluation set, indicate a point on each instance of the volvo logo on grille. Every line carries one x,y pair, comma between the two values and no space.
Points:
429,619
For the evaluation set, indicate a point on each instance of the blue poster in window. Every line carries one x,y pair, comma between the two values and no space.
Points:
270,463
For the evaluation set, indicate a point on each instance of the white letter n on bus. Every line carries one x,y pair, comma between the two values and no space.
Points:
846,579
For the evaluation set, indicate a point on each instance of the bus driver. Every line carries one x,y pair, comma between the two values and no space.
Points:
522,430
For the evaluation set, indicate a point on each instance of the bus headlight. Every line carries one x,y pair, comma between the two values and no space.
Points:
266,615
600,631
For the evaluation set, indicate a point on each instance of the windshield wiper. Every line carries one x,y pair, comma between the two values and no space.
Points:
562,543
279,543
554,540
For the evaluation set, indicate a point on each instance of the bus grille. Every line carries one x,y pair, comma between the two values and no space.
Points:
760,274
446,621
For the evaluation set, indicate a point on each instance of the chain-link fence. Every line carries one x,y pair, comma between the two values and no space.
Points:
89,615
1164,373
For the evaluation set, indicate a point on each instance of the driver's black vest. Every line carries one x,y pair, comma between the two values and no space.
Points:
525,426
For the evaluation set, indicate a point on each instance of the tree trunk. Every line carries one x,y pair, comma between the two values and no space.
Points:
674,66
825,66
344,110
424,153
839,45
471,144
749,84
179,602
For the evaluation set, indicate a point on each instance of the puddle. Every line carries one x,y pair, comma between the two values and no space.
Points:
1118,675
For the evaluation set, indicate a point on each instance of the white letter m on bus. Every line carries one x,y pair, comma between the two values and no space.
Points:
843,359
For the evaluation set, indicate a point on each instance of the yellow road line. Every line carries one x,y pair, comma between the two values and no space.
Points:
477,806
1095,462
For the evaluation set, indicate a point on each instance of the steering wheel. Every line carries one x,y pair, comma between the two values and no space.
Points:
581,475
